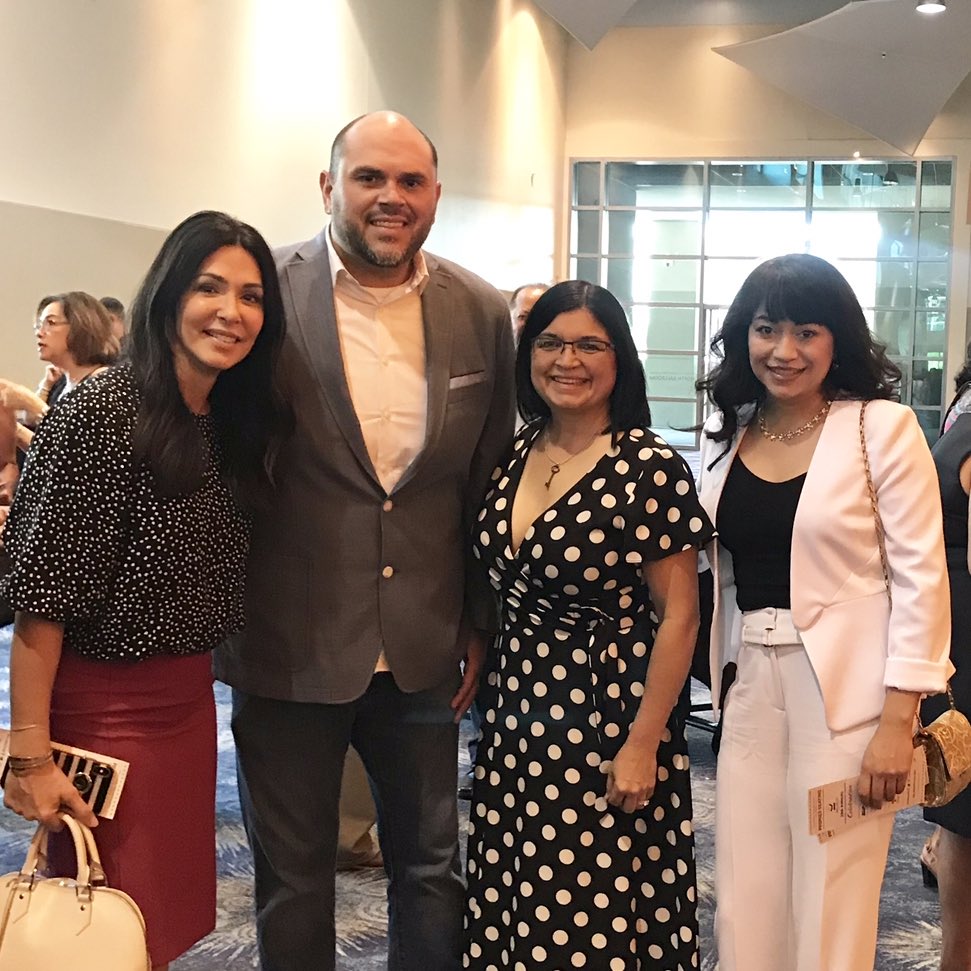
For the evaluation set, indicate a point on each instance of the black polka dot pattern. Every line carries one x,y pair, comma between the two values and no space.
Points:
557,878
130,574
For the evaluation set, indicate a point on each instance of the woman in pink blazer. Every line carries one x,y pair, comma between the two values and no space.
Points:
829,673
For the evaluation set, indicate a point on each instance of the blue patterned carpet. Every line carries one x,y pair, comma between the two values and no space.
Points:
909,938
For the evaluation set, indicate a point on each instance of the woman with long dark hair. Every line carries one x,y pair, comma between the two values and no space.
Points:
832,652
580,845
129,533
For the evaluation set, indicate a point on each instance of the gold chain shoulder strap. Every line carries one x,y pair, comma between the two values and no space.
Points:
872,492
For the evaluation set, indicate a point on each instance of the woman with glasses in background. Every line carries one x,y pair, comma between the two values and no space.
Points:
580,846
74,335
75,339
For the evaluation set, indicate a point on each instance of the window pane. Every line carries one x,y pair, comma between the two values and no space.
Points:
749,184
930,335
654,280
586,184
927,383
929,420
859,184
619,232
585,268
895,328
724,278
759,234
670,375
935,235
667,281
620,280
669,328
932,286
905,379
667,417
585,232
879,284
935,185
654,184
870,235
660,233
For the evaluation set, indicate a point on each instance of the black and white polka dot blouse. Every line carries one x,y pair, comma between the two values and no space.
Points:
131,574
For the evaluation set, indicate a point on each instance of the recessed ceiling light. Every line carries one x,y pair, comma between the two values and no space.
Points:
932,6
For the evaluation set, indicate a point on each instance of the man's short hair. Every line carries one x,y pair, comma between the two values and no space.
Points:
114,307
526,286
337,148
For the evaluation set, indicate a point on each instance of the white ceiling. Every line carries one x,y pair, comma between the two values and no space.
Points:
667,13
589,20
878,64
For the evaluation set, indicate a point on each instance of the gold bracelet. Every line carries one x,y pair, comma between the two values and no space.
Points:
23,728
23,765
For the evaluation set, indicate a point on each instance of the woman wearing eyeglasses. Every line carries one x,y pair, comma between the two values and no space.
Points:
75,339
74,335
580,841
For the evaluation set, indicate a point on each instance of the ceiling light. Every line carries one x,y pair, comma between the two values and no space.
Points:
932,6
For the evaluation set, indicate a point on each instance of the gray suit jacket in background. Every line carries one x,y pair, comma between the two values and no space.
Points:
319,607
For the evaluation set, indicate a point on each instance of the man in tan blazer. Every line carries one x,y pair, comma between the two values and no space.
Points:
363,597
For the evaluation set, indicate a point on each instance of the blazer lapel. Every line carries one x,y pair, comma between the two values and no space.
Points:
437,310
314,324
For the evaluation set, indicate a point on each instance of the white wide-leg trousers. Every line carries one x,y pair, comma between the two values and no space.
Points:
784,901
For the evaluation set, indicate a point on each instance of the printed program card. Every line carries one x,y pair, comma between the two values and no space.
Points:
836,806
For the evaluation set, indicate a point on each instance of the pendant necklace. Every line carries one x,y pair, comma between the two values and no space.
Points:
795,432
556,466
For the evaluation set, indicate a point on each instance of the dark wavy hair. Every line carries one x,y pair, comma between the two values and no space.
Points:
805,290
628,400
250,414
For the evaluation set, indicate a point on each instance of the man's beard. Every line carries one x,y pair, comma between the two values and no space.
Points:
356,243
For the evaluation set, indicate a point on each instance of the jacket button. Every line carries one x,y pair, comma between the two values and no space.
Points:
387,572
387,505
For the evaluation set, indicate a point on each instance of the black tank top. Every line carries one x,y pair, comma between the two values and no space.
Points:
754,522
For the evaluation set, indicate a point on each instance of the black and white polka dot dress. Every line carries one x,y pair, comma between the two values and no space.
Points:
557,879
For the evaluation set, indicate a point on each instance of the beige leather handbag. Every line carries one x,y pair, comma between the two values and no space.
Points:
49,923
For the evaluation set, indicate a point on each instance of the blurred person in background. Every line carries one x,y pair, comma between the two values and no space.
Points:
946,860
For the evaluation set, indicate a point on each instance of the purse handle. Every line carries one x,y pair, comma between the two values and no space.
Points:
89,869
881,535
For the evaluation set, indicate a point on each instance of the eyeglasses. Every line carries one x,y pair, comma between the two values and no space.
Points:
551,344
49,323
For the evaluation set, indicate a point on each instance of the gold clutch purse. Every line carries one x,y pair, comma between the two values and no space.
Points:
947,744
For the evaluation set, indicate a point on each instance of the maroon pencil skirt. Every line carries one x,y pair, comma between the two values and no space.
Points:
158,715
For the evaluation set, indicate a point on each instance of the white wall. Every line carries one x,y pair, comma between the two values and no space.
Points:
663,93
143,111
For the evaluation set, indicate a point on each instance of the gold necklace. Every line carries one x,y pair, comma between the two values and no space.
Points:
556,466
795,432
